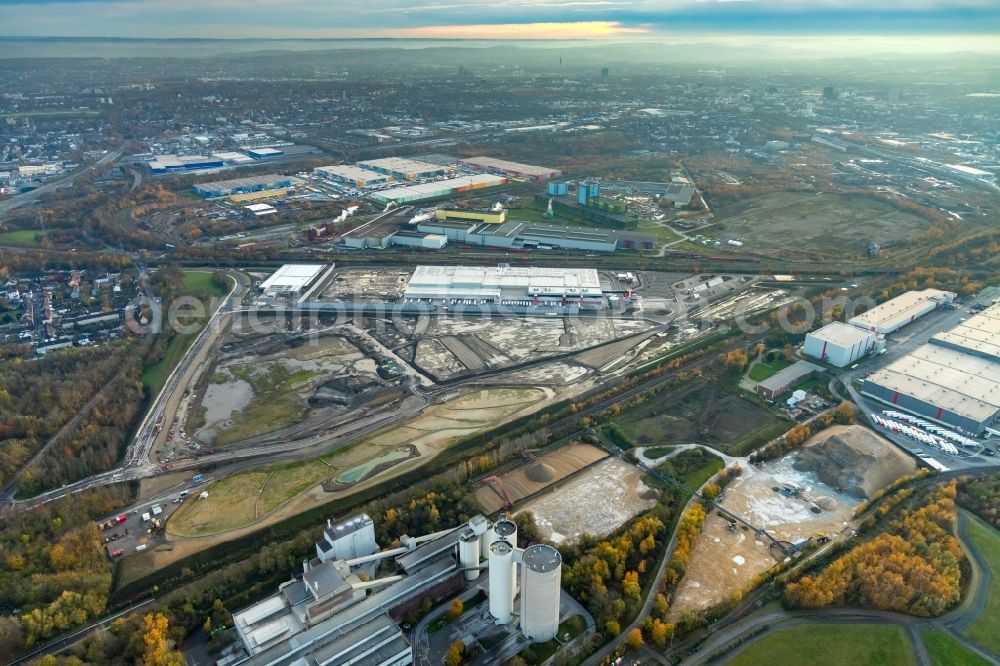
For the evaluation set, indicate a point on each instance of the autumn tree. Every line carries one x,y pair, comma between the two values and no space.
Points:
158,647
456,609
845,412
455,654
634,639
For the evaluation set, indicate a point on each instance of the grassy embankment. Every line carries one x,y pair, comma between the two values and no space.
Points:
155,376
831,645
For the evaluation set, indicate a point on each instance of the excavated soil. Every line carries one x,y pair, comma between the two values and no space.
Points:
855,459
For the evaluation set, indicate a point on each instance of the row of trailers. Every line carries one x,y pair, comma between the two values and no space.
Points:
924,432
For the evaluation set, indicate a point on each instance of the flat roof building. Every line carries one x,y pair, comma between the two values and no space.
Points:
786,379
942,384
437,189
838,344
346,173
262,153
225,188
402,168
519,235
978,335
513,169
496,284
171,163
897,312
291,279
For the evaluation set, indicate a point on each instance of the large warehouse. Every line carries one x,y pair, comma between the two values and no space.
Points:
291,279
172,163
346,173
402,168
839,344
504,283
513,169
224,188
954,380
436,189
518,235
896,313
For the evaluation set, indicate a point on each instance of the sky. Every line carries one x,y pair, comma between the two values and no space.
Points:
493,19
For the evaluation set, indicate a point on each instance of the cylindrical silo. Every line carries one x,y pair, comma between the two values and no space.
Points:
501,581
502,529
541,573
468,554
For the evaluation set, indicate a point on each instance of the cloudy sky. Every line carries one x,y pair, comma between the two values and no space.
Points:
491,18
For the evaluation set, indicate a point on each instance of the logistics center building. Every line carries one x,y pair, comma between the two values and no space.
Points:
512,169
502,284
839,344
437,189
896,313
954,379
225,188
345,173
402,168
291,279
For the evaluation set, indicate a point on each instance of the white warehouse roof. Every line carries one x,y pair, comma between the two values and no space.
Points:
350,172
401,165
899,311
493,282
955,381
841,334
978,335
292,277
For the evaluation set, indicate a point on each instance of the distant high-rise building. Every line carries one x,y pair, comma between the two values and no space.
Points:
829,92
604,73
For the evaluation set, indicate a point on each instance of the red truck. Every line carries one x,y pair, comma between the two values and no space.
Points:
121,519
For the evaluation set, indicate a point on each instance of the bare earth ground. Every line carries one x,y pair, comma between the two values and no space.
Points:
596,502
723,562
538,475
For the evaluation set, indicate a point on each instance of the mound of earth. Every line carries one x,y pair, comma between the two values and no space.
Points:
854,459
540,473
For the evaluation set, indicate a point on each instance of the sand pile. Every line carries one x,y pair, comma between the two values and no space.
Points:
540,473
853,458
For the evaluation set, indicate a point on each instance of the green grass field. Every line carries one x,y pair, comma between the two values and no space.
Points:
663,233
809,222
693,466
761,371
24,237
986,628
946,651
830,645
243,498
155,376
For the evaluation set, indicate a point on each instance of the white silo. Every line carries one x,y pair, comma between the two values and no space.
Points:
541,574
501,581
468,554
502,529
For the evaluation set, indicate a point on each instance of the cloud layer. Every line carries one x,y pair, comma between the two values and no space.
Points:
470,18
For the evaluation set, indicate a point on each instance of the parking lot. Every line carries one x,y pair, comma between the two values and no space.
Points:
141,526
